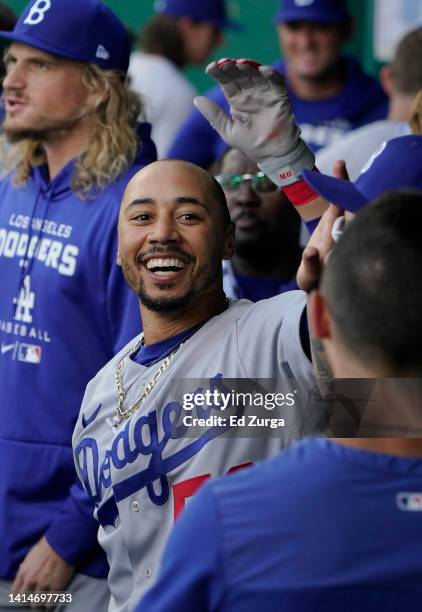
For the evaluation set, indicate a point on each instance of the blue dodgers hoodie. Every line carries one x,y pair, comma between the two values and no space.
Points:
65,310
360,101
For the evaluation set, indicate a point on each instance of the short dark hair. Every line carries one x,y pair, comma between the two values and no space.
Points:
161,36
372,285
406,70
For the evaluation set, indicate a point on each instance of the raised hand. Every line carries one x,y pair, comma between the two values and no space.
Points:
262,124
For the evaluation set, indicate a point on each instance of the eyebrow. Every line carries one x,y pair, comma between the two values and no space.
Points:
48,58
179,201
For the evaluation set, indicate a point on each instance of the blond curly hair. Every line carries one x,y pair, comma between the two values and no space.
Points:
416,114
113,139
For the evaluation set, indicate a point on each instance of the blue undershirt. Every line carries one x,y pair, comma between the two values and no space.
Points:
152,353
257,288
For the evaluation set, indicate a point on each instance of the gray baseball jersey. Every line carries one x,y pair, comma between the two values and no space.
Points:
141,472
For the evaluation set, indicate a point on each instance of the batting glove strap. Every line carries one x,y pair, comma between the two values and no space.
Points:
287,169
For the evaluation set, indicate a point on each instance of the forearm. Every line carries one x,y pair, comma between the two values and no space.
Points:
73,534
308,204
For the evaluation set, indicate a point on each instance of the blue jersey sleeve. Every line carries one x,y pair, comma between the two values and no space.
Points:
191,576
73,534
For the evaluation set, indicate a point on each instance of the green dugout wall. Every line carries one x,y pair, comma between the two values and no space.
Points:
259,40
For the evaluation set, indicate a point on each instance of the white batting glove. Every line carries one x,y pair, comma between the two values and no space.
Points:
262,124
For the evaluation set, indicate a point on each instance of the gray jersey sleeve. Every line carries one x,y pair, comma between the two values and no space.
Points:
268,338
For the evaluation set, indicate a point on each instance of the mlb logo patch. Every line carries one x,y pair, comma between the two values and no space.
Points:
409,502
30,353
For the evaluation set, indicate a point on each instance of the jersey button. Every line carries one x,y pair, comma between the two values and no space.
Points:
135,506
147,571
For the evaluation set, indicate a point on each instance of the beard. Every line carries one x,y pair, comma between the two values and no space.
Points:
166,304
205,278
15,135
45,130
326,72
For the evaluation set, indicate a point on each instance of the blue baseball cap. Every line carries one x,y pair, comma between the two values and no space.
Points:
81,30
397,164
210,11
324,11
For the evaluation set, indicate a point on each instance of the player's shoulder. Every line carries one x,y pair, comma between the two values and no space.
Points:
241,310
276,308
301,466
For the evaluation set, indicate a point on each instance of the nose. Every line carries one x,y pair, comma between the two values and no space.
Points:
163,231
246,196
14,78
305,36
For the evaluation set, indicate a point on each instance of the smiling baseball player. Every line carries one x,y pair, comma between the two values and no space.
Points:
133,453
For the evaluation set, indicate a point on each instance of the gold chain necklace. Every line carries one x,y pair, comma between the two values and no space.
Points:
149,386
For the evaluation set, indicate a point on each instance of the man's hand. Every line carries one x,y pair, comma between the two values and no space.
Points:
314,255
262,124
322,240
42,570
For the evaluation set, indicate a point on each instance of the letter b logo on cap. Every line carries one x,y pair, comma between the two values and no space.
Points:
37,12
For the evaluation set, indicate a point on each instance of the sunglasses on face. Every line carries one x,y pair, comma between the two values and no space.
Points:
259,182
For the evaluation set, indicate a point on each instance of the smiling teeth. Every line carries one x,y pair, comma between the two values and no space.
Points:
165,263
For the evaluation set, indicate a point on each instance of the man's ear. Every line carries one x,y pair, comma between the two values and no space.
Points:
118,259
102,94
385,78
319,316
229,242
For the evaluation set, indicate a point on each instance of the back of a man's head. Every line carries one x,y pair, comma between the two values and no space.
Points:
372,285
406,67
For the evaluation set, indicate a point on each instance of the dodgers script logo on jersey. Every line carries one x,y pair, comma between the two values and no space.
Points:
130,443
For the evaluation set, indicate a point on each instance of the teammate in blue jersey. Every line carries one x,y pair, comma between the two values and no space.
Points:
330,94
267,252
64,307
328,524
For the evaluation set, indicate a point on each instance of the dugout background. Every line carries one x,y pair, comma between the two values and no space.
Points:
259,37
